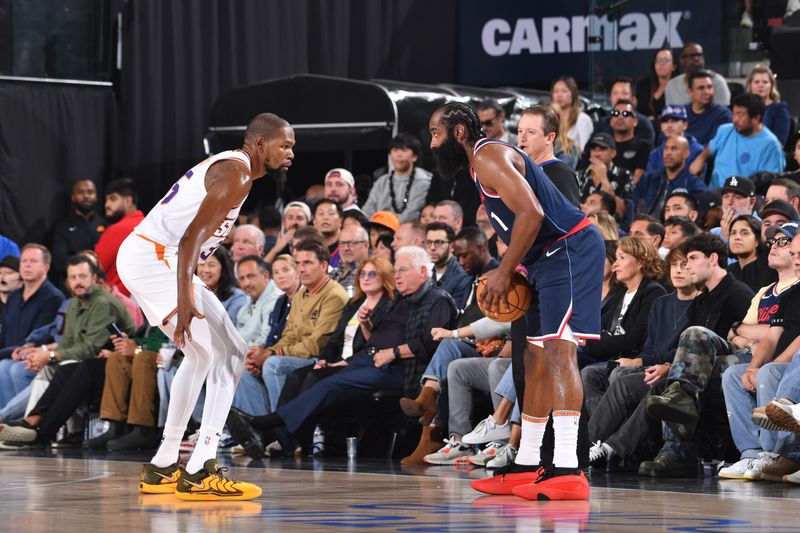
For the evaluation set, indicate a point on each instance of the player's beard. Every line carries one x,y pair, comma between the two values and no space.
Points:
450,157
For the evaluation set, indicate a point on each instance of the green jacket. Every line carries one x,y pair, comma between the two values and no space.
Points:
85,331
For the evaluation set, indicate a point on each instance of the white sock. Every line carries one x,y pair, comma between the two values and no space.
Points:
169,448
205,449
565,428
531,442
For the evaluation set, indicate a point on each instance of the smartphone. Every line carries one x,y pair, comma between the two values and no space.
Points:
113,328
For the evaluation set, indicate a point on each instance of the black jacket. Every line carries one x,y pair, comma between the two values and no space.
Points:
719,309
332,352
634,323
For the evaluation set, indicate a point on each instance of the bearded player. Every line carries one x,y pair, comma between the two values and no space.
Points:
157,263
564,255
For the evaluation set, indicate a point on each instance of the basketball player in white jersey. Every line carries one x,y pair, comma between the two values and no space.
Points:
157,263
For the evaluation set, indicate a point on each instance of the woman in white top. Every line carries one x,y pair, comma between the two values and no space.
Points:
575,126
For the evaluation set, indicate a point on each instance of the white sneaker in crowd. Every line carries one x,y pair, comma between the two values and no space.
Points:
503,458
452,452
488,430
489,451
737,469
764,459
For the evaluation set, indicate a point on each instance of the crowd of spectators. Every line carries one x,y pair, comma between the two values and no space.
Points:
341,297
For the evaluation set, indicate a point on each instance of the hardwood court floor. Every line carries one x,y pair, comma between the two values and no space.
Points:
71,493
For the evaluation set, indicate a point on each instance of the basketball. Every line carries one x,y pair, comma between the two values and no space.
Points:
518,295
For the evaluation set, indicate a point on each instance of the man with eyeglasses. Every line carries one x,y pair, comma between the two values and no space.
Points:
749,385
353,249
693,60
447,273
493,118
623,89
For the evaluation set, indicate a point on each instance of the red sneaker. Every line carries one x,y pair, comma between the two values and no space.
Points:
556,484
504,480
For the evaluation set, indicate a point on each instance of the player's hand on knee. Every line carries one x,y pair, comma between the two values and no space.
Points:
186,312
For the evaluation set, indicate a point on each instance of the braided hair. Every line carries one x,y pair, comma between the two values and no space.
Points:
460,113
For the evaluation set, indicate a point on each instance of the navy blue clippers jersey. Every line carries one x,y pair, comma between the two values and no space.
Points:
770,302
560,215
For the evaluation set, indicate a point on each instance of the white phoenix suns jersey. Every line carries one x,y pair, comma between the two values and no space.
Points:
166,223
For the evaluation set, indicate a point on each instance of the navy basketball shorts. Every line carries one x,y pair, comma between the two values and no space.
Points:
568,282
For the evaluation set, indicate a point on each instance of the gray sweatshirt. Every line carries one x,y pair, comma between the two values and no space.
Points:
380,199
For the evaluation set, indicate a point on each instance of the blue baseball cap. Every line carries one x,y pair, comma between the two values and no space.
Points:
789,229
674,111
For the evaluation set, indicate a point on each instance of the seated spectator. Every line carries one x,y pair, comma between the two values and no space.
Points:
783,189
284,274
761,82
751,266
86,323
8,247
623,89
599,202
122,216
673,123
409,233
493,119
384,248
575,125
744,147
340,186
403,190
625,315
328,220
704,115
482,221
538,130
35,304
698,360
632,151
247,240
129,392
252,321
382,223
619,424
353,250
653,189
681,204
396,354
678,230
295,215
79,230
747,385
315,311
693,60
606,224
447,273
217,273
450,212
373,299
738,198
609,279
776,213
603,174
471,250
650,88
648,228
427,215
10,281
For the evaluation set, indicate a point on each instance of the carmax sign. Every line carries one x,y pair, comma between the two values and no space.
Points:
507,41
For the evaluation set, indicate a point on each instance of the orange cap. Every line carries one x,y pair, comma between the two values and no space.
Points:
386,218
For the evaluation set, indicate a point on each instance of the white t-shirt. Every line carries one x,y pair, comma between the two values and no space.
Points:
349,335
626,302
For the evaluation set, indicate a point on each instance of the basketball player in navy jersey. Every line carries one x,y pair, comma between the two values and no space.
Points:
563,253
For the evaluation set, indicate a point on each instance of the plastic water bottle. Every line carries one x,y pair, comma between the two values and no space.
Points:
318,442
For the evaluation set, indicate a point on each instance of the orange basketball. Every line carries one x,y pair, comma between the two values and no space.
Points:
519,299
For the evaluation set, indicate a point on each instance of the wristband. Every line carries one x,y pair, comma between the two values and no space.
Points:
455,333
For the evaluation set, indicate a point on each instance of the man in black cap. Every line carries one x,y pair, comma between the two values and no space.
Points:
9,281
738,198
777,213
602,174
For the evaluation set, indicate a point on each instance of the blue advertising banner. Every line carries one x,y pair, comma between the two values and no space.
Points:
513,42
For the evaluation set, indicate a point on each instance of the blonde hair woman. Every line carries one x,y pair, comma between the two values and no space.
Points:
762,82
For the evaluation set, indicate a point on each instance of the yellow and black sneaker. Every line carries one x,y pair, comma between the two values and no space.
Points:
155,480
210,484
